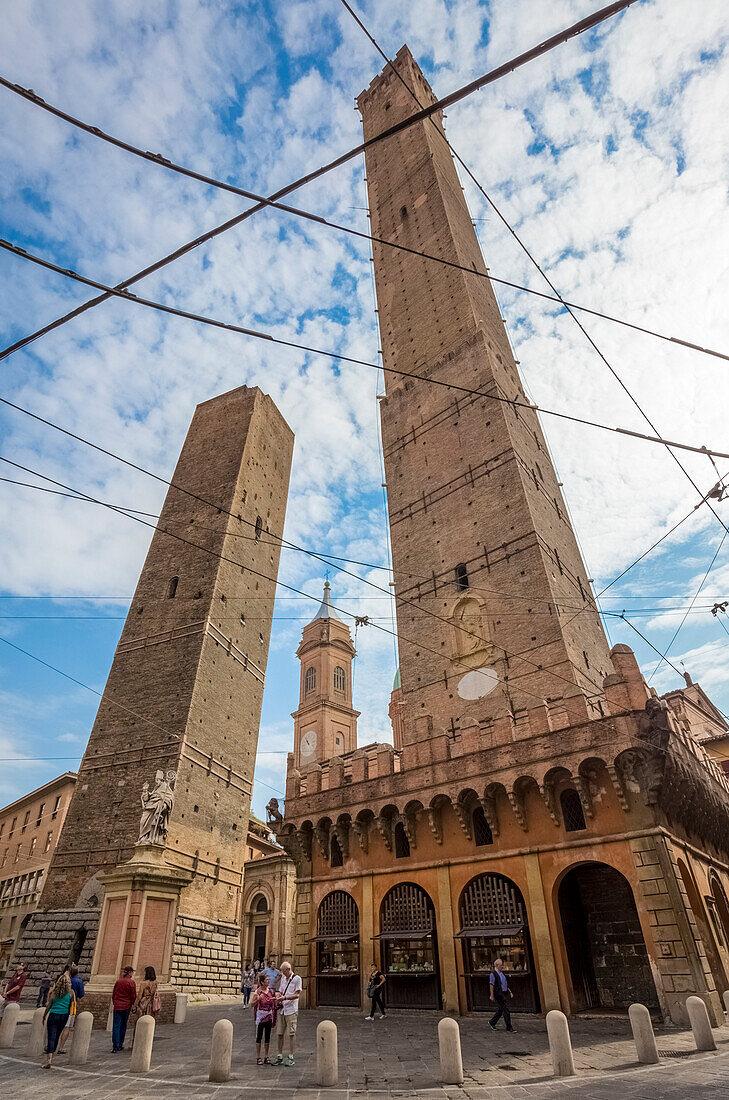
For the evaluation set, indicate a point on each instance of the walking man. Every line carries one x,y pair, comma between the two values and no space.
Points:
123,997
500,993
273,975
44,989
289,992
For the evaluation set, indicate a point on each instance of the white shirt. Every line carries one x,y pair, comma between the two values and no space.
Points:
287,987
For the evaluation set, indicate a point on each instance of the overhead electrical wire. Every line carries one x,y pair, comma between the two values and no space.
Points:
291,588
254,333
157,158
544,47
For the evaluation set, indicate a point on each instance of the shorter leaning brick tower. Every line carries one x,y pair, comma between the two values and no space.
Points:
180,712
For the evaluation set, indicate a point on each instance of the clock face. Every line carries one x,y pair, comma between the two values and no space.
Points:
308,743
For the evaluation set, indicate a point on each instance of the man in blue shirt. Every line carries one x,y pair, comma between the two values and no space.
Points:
78,987
273,975
500,993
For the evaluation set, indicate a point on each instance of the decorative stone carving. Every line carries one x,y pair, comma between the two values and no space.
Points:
617,781
547,792
408,824
464,819
384,827
517,805
490,813
156,809
435,823
321,835
274,817
341,832
472,646
362,833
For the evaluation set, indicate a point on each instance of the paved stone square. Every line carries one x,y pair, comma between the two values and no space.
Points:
395,1057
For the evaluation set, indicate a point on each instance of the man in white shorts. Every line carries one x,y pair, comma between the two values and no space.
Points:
289,990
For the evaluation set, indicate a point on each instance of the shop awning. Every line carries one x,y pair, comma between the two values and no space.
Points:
492,932
335,939
416,934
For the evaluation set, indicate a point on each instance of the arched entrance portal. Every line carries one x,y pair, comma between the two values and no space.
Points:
606,952
494,926
259,918
337,950
409,940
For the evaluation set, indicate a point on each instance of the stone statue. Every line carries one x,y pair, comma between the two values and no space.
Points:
156,809
274,817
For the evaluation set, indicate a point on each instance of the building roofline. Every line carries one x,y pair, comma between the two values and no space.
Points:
65,777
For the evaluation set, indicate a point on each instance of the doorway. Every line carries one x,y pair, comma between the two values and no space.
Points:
606,953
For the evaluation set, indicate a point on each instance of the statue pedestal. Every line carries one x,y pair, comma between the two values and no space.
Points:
137,928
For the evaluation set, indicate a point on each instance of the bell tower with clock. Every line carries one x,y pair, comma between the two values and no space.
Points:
325,724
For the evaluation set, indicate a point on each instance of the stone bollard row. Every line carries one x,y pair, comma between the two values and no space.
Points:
700,1024
8,1025
642,1028
221,1051
449,1043
327,1058
142,1045
560,1044
81,1039
37,1040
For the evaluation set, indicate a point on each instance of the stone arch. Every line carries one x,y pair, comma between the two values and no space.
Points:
91,894
494,923
720,900
409,947
607,960
703,926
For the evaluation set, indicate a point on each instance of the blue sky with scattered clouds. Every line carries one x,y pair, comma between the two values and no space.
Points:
609,156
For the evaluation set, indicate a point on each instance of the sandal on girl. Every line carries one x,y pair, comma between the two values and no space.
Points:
259,1061
267,1061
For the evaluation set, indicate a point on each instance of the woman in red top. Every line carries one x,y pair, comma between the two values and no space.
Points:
123,997
263,1003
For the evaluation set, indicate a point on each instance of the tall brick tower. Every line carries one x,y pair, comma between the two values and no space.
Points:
480,532
183,698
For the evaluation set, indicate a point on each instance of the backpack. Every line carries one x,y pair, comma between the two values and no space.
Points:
499,990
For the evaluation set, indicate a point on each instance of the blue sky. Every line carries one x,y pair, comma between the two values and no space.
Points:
610,156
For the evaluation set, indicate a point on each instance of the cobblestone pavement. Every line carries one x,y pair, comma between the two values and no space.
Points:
396,1057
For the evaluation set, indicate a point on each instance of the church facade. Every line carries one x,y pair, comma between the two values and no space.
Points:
539,803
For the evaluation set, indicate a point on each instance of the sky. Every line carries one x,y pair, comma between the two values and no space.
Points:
609,157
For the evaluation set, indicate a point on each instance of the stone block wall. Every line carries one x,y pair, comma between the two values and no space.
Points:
206,957
49,940
301,938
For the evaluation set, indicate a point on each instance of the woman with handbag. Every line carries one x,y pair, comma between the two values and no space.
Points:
263,1003
376,992
61,1005
148,1002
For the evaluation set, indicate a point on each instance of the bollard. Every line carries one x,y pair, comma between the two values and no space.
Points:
726,1000
110,1018
7,1027
642,1027
327,1060
700,1025
142,1046
37,1040
221,1051
560,1044
81,1039
449,1041
180,1007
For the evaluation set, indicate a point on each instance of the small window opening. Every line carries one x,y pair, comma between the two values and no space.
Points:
259,526
481,830
572,813
337,857
461,576
172,588
402,844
